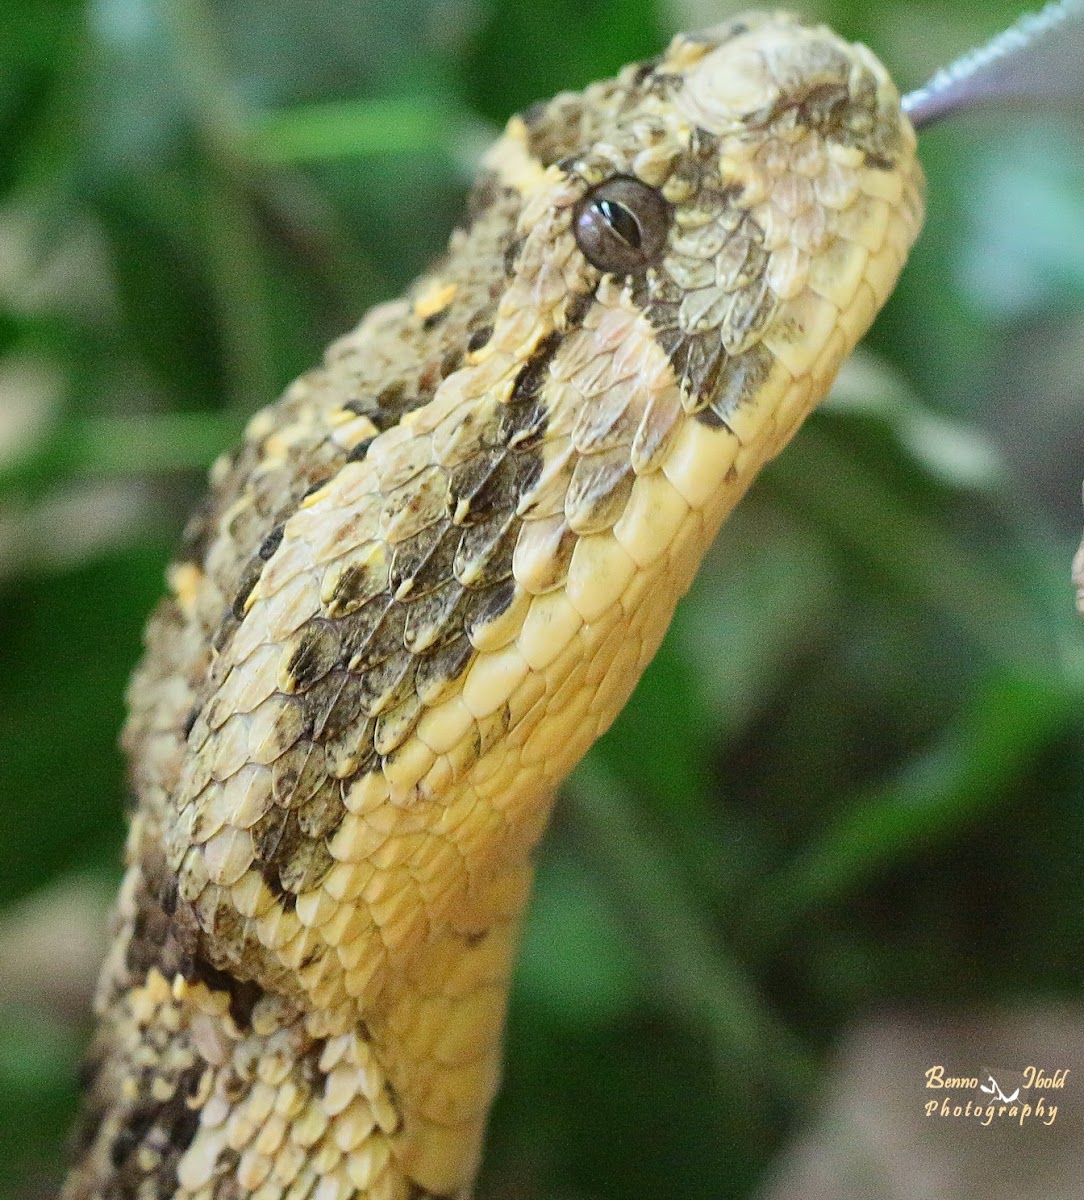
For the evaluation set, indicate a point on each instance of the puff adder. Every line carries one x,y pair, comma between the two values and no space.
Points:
426,583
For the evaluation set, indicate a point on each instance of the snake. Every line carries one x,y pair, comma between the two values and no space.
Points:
428,580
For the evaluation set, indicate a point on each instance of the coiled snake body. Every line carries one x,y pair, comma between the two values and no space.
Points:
428,581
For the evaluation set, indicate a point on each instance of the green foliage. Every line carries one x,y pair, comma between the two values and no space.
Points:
854,773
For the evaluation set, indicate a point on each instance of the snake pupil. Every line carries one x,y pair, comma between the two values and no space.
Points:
621,225
622,222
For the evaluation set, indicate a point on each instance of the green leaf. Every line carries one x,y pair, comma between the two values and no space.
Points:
136,444
348,129
951,453
970,769
698,978
576,958
833,476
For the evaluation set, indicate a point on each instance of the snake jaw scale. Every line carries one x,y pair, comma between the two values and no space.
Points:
426,582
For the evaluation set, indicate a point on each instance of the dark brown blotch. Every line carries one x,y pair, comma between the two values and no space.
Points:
306,867
224,925
358,453
442,664
431,615
352,755
392,396
557,128
373,634
499,490
269,834
487,604
308,1066
709,418
643,70
198,532
296,774
486,550
511,256
742,378
599,490
486,193
312,652
387,406
94,1108
425,560
523,424
450,361
333,704
879,162
468,478
289,862
225,631
578,307
825,107
151,937
358,586
479,338
698,360
270,543
249,578
322,813
137,1124
388,683
242,993
535,371
153,1135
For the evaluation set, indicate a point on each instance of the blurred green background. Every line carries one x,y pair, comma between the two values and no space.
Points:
853,778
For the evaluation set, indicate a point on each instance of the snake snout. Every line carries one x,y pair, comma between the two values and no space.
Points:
776,64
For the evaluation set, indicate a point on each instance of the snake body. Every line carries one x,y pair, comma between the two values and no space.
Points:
426,583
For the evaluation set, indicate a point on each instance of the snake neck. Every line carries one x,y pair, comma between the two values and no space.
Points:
199,1088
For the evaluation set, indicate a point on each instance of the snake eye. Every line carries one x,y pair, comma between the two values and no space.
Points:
621,225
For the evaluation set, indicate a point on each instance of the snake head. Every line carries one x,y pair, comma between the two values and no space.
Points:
752,193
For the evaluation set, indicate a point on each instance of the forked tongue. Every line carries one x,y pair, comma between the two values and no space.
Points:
1040,57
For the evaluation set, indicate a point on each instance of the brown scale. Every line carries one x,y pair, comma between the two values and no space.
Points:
375,667
380,682
141,1072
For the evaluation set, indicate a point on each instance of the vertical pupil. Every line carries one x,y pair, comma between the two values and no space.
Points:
622,222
